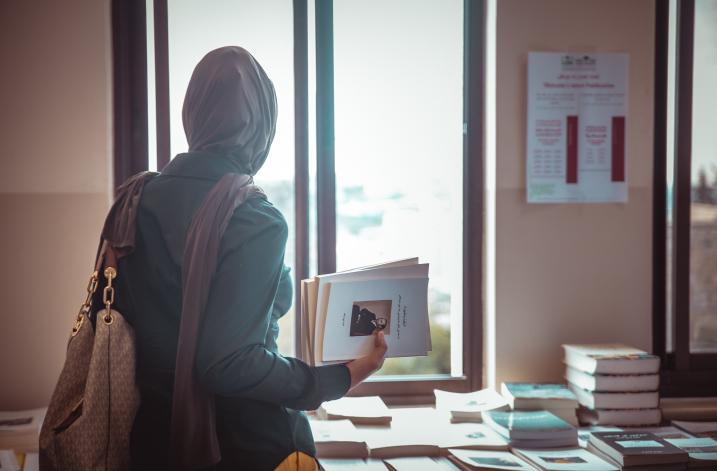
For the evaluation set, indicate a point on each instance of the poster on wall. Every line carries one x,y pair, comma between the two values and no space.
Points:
577,112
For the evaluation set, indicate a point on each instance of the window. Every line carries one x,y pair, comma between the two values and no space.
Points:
378,152
685,243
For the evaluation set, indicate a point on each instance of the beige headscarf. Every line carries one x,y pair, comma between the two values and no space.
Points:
230,108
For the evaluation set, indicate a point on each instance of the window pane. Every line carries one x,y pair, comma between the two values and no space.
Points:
670,161
399,155
264,28
703,251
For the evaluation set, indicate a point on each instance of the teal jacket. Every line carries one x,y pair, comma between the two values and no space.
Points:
259,393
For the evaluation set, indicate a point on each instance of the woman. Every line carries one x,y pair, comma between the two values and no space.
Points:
229,118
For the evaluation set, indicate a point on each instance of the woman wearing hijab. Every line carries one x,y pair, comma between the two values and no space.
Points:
257,394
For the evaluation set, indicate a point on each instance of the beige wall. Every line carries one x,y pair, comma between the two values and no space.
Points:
570,273
55,90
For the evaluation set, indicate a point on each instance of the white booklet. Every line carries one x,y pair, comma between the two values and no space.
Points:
342,310
357,308
481,460
466,407
575,459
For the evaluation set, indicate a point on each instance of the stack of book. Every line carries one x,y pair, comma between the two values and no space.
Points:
468,407
488,460
698,429
8,461
369,410
702,451
555,398
337,439
638,451
352,464
421,463
341,311
574,459
614,384
427,432
20,430
532,429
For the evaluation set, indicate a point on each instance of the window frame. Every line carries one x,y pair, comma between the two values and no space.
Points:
131,152
683,373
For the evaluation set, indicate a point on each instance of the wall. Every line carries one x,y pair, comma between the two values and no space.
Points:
55,90
565,273
570,273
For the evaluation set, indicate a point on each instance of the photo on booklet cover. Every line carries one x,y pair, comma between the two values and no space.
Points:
367,316
494,461
562,459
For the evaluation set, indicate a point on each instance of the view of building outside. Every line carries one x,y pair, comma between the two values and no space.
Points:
398,69
703,214
399,134
703,238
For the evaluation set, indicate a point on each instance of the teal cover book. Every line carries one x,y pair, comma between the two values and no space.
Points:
533,421
540,391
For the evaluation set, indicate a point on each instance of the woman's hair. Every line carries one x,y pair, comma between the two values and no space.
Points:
230,108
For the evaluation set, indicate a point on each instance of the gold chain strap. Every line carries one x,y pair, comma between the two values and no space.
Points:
108,295
85,307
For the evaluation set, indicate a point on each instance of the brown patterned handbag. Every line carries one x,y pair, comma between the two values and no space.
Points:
90,416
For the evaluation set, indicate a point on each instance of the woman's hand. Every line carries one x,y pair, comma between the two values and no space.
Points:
362,368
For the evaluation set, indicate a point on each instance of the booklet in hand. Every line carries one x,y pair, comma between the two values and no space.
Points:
341,311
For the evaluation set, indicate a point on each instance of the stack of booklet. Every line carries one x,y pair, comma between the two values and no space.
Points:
468,407
698,429
555,398
337,439
635,450
352,465
20,430
368,410
341,311
532,429
702,451
427,432
614,384
412,432
573,459
486,460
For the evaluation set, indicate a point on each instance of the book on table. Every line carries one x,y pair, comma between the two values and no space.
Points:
468,436
636,449
698,429
342,310
20,430
344,464
570,459
472,460
368,410
611,382
532,429
556,398
8,461
615,359
337,439
468,407
585,432
421,463
537,396
665,432
385,443
620,417
702,451
616,400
